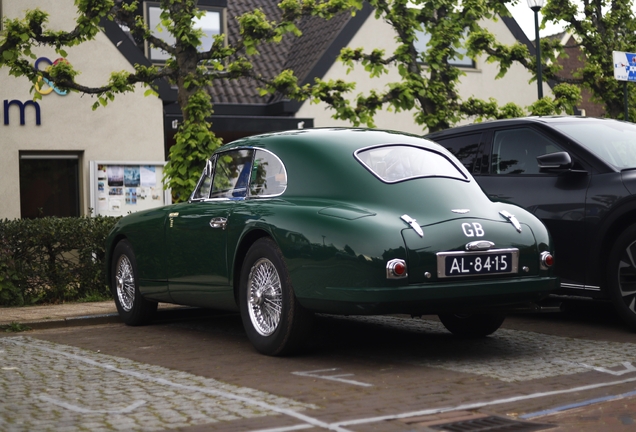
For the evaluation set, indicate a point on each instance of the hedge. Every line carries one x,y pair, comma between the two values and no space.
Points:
53,260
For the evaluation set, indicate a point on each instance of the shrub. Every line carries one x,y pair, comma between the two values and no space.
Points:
53,260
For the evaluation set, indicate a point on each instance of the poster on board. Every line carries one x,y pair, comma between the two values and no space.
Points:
119,188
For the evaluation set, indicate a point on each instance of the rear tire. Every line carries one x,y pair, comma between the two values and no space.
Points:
472,325
274,321
133,309
621,276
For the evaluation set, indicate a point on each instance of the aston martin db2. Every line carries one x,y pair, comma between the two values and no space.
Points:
336,221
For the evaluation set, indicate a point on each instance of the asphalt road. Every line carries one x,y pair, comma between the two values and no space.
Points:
196,371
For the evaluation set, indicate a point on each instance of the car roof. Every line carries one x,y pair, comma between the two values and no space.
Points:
489,124
321,162
334,139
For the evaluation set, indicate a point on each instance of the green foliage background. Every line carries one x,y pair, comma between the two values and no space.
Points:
53,260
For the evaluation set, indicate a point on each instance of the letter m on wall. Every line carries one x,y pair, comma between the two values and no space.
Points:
22,107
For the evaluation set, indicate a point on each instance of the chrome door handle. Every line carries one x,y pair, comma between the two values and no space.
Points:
218,222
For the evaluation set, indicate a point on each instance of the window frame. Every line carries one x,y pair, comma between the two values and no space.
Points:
207,7
473,63
77,200
248,195
461,169
249,184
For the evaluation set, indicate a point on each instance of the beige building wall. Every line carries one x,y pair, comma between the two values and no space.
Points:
479,82
128,129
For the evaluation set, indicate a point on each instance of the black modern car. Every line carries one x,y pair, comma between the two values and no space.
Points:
578,175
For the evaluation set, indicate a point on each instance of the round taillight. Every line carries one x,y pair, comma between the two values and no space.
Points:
547,260
399,269
396,269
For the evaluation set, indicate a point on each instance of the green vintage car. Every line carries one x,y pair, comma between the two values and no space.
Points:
337,221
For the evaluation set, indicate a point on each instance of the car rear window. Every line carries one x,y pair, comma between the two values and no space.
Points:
398,162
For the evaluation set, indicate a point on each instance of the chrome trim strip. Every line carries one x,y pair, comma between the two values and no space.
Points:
581,287
413,223
514,266
479,245
512,219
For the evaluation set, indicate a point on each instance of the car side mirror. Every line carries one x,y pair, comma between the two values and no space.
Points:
558,162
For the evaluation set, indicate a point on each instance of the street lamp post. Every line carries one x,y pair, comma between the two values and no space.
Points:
536,5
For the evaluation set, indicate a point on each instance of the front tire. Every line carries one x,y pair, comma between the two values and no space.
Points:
472,325
275,323
133,309
621,276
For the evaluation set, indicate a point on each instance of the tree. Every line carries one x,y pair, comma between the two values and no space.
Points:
600,27
188,67
429,81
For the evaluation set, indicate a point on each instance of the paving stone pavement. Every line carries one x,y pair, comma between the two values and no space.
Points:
53,387
520,355
79,389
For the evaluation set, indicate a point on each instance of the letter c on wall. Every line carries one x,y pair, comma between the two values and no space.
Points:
38,84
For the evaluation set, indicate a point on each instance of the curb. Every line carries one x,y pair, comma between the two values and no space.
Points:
76,321
163,315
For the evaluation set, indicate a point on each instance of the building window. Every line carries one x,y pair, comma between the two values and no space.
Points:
49,185
211,23
462,60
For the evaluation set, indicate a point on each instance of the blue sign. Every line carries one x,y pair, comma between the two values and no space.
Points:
624,66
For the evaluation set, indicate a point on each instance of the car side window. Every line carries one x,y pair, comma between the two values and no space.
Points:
515,151
202,190
231,174
465,148
269,177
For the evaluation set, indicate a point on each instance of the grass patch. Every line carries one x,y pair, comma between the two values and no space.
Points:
14,327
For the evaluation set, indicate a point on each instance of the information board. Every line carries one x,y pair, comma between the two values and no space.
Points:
119,188
624,66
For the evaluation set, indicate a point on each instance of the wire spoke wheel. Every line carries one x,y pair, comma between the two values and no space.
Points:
275,323
133,308
125,283
265,297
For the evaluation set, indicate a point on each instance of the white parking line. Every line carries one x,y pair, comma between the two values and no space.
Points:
576,405
477,405
141,376
78,409
286,428
315,374
627,365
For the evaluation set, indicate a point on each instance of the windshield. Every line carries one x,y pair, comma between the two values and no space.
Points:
394,163
612,141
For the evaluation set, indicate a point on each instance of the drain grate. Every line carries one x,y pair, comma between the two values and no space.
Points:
491,424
